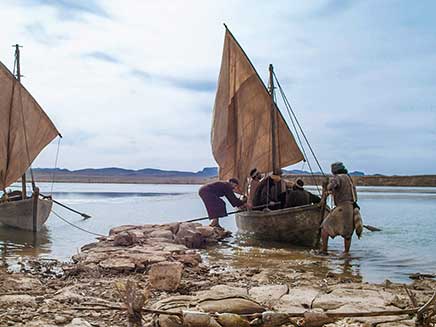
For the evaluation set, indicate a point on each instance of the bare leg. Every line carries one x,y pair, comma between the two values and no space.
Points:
324,240
347,244
214,222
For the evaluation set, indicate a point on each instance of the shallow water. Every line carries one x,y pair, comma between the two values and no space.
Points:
405,246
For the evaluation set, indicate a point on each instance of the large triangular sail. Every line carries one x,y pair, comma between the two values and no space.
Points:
25,129
242,120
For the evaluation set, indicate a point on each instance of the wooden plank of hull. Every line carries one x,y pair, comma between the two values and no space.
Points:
19,213
298,225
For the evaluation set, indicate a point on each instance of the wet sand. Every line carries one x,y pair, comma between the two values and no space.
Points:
164,263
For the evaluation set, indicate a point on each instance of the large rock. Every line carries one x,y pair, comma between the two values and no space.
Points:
188,236
268,294
125,239
165,276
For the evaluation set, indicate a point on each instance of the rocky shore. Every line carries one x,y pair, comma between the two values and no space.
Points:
164,268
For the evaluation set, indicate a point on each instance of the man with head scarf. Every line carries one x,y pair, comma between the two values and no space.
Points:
211,195
340,220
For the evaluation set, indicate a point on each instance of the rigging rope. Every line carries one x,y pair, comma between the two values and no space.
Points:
306,158
55,166
75,226
289,108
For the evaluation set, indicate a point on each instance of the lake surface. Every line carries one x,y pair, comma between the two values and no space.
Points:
405,245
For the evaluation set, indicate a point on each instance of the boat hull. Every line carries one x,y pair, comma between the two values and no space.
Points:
19,214
297,226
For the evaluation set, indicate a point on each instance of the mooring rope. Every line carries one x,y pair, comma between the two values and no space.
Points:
55,166
75,226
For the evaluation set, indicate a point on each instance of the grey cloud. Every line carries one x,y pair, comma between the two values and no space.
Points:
195,85
71,9
102,56
39,33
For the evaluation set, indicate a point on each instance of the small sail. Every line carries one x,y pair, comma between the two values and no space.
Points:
241,128
25,129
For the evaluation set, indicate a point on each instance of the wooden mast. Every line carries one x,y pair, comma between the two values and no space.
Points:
276,168
35,194
18,76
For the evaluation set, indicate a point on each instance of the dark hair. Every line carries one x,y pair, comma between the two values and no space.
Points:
253,172
234,181
299,183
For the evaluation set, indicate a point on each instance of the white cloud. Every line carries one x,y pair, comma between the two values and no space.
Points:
338,63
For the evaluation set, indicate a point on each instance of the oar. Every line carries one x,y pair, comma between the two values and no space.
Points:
233,212
84,215
372,228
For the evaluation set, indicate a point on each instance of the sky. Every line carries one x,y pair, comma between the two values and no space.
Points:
132,83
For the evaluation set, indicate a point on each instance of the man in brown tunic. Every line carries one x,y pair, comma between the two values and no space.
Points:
254,183
211,194
340,220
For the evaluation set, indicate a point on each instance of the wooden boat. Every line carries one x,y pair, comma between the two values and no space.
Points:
248,131
25,129
19,214
298,225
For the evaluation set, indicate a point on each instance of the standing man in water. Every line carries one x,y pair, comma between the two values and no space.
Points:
211,194
340,220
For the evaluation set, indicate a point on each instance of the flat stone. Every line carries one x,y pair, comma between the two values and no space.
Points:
219,291
78,322
177,248
121,228
66,295
269,293
121,264
162,233
300,298
22,299
340,297
165,276
22,283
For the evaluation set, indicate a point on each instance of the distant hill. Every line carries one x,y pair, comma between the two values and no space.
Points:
160,176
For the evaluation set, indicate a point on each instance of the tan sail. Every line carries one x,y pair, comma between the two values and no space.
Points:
25,129
241,128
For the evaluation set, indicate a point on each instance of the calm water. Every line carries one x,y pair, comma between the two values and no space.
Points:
406,215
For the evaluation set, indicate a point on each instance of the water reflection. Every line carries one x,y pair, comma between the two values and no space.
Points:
15,242
244,252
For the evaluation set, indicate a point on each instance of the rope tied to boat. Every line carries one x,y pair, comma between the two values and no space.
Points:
75,226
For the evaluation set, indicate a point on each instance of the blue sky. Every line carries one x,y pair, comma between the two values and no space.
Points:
132,83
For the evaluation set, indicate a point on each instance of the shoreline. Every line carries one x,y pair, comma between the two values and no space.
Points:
170,265
402,181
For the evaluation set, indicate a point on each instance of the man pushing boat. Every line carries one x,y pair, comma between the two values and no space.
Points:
211,195
340,221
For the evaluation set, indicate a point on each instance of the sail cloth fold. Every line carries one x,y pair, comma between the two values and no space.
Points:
25,129
241,128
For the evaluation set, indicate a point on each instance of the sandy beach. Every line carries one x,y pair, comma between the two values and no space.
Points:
168,268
